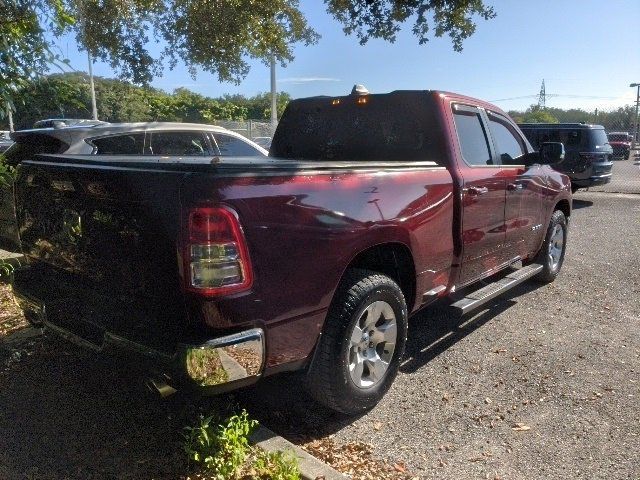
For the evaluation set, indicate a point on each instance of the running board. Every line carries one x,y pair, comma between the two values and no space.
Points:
478,298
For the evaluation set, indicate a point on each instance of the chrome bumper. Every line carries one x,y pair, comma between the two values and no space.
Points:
219,364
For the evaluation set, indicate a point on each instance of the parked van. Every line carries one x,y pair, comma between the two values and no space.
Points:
588,153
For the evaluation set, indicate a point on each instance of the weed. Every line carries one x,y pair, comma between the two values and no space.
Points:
275,466
223,450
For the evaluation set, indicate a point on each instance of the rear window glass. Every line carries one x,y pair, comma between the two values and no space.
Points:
570,137
26,147
231,146
598,137
131,144
394,127
179,144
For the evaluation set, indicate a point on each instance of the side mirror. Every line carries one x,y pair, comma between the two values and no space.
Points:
551,153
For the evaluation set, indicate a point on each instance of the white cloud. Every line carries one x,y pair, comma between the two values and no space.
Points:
302,80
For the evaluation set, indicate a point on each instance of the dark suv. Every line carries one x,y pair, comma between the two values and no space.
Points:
588,153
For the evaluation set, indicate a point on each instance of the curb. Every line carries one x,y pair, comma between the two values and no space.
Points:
310,467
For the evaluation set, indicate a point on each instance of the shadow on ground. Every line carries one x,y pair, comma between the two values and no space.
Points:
67,413
577,203
282,404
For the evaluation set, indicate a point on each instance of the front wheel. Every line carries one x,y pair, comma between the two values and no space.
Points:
362,343
551,255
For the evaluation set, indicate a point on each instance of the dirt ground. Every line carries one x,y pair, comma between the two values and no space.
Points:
542,384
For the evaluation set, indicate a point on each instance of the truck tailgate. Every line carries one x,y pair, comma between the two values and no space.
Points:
111,232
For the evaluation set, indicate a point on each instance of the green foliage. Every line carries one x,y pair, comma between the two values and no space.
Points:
25,51
275,466
535,114
384,18
6,269
620,119
67,95
7,174
223,450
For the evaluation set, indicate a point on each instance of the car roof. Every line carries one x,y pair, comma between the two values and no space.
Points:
560,125
108,128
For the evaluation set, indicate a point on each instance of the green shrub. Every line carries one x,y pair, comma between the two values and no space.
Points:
223,450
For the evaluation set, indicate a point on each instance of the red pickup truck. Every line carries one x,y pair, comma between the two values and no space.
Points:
216,272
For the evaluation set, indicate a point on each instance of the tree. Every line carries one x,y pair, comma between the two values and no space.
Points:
534,114
216,36
384,18
24,49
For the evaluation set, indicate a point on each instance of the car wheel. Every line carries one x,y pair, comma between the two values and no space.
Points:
551,255
361,345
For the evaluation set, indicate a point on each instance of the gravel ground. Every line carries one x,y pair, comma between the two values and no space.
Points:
544,384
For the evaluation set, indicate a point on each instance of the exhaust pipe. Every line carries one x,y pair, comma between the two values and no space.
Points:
160,387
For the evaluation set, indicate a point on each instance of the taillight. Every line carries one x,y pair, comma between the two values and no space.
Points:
216,257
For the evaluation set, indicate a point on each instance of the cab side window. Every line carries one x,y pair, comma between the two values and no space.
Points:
472,136
234,147
130,144
191,144
508,142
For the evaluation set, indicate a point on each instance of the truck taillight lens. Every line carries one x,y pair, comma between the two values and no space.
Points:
217,258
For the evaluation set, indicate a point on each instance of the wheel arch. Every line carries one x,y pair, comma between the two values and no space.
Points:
393,259
564,206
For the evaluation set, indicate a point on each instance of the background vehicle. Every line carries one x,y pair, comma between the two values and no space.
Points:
372,207
5,140
66,122
264,142
620,143
156,140
588,153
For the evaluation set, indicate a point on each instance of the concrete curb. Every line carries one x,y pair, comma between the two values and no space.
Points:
310,467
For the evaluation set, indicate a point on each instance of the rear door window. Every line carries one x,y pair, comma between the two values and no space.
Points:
129,144
234,147
188,144
507,141
472,136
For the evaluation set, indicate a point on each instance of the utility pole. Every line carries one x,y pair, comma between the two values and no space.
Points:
274,95
634,141
94,108
10,116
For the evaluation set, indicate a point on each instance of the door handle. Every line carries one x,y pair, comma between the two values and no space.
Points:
514,186
477,190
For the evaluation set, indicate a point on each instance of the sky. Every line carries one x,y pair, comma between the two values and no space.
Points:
581,48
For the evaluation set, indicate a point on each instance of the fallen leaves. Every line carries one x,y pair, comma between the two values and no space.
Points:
520,427
356,459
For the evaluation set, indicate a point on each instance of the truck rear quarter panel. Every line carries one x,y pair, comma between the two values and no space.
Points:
303,229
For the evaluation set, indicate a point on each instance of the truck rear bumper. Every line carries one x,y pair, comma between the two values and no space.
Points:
214,366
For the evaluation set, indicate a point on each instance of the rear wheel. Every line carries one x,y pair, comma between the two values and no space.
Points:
362,343
551,255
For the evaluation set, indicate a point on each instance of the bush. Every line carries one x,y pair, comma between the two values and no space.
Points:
224,451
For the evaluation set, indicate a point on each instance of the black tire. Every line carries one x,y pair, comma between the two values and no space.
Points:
551,268
574,189
329,379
